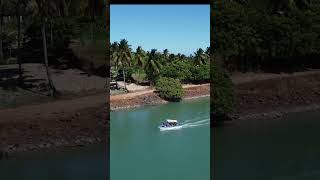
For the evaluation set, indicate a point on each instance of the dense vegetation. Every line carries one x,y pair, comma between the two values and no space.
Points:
222,96
148,66
169,88
259,35
42,31
271,36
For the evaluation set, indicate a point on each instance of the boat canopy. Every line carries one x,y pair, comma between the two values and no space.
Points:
171,121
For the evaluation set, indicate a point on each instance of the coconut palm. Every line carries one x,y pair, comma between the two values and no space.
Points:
124,58
139,58
200,57
171,57
152,64
208,51
114,50
45,7
19,8
3,7
165,56
166,53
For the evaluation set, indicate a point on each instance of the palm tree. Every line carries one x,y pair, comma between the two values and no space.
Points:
208,51
94,7
2,7
200,57
165,56
139,58
153,65
166,53
114,49
18,12
6,10
124,58
44,9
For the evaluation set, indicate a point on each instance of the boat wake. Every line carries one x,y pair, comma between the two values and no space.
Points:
196,122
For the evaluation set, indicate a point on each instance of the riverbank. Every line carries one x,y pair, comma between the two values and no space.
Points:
149,97
57,124
31,121
262,96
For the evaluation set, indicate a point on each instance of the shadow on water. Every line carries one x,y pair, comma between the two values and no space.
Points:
82,164
278,149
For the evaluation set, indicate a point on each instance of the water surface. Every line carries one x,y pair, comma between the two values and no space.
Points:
80,164
287,148
140,151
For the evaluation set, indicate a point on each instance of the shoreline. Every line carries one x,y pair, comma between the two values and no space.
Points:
156,103
276,96
59,125
283,111
54,126
150,98
68,123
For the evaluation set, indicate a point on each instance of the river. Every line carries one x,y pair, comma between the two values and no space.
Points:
286,148
139,150
83,163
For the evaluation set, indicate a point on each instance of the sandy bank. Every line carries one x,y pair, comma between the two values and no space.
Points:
149,97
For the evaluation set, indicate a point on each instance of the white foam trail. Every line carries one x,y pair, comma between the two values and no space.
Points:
195,119
196,123
199,122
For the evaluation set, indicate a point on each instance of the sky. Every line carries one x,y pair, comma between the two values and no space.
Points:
178,28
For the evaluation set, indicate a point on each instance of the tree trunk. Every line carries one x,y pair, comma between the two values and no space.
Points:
124,78
19,47
66,8
1,47
51,33
1,23
50,83
91,10
91,32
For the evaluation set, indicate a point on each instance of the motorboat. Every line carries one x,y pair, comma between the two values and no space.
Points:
170,124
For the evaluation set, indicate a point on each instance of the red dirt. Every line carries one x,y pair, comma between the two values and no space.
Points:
149,97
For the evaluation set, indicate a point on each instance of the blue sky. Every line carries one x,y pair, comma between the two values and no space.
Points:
179,28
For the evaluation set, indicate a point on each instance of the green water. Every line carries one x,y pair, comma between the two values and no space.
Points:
276,149
80,164
140,151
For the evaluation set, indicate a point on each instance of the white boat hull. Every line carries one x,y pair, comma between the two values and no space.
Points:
169,128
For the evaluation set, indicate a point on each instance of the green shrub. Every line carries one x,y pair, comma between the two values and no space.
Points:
200,73
177,70
222,100
169,88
